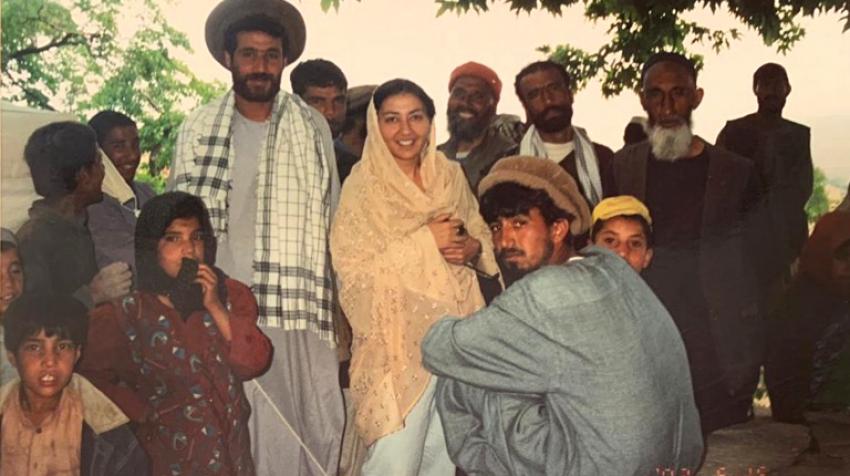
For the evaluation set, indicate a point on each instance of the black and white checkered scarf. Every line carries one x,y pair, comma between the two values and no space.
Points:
292,269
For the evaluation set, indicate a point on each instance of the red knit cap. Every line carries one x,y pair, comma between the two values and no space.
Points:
478,70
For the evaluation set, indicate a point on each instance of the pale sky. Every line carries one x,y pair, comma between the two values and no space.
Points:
376,40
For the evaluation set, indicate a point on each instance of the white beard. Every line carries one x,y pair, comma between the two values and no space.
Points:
670,144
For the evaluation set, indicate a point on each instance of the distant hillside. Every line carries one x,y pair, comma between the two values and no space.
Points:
831,147
835,194
837,182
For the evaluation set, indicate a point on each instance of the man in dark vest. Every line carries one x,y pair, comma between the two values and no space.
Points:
700,198
779,150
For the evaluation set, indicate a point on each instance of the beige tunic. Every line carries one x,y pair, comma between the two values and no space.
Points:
49,449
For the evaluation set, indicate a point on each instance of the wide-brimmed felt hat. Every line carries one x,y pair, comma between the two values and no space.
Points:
229,12
542,174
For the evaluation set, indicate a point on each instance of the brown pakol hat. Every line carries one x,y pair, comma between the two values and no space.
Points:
229,12
542,174
358,96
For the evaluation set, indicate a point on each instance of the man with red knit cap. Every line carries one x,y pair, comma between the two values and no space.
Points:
478,137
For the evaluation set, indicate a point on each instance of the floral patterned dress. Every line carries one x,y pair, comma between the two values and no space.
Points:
180,381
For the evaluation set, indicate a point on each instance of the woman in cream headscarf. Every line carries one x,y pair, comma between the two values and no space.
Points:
406,242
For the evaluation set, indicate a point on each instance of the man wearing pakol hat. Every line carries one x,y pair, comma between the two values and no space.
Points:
576,368
478,137
623,225
349,144
545,90
262,161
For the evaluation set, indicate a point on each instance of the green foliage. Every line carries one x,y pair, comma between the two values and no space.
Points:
157,182
74,55
638,28
818,203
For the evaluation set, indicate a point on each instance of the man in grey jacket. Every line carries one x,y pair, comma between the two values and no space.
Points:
576,368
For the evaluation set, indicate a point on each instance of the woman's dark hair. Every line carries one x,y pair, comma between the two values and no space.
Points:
29,314
154,219
104,121
647,230
394,87
6,246
56,153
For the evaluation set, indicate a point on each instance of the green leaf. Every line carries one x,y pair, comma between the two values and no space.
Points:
638,28
66,55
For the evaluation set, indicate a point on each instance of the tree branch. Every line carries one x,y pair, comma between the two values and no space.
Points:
69,39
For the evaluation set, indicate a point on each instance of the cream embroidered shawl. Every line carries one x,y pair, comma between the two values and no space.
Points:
394,282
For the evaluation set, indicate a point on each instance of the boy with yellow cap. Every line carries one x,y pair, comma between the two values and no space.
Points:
623,225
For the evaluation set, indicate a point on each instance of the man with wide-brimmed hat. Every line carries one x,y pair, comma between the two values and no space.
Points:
262,161
576,368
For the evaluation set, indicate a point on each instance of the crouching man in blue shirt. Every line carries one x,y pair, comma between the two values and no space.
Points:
576,368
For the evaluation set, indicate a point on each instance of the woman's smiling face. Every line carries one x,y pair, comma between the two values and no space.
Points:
404,125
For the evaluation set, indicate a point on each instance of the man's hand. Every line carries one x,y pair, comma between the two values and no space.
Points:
111,282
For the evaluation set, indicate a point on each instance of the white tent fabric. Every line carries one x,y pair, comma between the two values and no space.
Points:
16,190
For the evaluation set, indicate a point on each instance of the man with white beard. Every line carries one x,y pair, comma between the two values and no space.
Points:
701,199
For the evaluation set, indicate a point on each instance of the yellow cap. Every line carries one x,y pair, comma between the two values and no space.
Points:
620,205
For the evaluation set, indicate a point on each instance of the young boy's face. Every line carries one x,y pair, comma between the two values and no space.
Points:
627,238
11,278
45,365
122,148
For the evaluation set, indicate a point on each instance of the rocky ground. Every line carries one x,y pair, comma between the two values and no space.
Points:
763,447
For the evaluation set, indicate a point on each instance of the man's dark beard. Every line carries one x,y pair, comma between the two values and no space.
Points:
511,273
467,129
555,123
240,86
